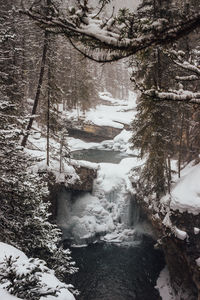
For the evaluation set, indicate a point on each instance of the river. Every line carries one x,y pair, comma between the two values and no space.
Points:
117,272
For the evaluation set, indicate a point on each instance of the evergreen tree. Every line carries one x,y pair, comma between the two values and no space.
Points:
24,217
26,283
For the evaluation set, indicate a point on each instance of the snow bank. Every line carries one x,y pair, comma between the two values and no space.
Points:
4,295
185,196
77,144
164,287
23,263
8,250
121,142
115,114
84,163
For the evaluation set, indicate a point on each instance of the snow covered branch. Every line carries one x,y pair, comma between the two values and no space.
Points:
187,78
180,96
84,26
178,58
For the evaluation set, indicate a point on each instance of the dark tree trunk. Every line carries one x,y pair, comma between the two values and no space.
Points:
48,112
180,146
38,91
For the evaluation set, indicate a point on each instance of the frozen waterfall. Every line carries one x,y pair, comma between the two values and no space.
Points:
109,213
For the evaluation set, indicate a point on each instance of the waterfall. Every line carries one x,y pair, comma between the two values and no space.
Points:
134,212
109,213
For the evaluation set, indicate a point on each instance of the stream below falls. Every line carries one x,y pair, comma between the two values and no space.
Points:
115,271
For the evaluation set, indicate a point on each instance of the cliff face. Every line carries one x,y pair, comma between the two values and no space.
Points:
94,133
179,237
83,183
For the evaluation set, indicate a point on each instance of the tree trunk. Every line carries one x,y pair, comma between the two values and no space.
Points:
38,91
180,146
48,113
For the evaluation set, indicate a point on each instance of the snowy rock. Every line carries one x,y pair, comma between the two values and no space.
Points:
166,221
198,262
180,234
86,172
196,230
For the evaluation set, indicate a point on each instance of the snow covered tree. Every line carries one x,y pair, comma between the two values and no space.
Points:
24,279
24,218
163,127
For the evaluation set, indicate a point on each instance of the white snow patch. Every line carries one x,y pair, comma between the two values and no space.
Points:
166,221
111,176
198,262
196,230
4,295
77,144
8,250
86,164
116,114
164,286
186,194
180,234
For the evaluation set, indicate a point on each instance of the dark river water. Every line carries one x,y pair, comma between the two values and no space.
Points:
113,272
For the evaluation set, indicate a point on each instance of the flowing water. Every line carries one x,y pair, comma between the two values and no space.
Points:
111,271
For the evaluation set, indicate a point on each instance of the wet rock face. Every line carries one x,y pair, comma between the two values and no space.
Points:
180,269
180,254
190,248
86,175
94,133
83,184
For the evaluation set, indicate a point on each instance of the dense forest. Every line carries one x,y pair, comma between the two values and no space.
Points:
49,54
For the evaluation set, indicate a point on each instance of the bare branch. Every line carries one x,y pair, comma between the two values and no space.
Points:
104,3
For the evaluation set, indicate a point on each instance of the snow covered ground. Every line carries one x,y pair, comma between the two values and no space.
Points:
115,113
185,195
23,265
185,191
